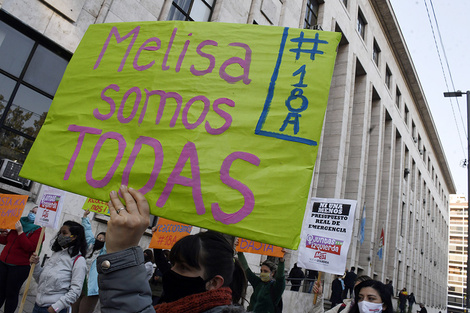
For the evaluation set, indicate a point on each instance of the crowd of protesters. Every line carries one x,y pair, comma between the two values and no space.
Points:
199,274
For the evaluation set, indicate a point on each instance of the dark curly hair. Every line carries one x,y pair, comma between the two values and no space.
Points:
78,245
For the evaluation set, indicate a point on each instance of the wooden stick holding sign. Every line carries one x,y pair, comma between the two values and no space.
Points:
31,271
316,294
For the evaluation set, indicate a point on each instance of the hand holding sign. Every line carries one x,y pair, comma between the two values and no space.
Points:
34,258
284,252
127,224
317,288
19,228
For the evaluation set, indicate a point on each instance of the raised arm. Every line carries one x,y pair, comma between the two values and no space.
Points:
252,278
125,259
90,237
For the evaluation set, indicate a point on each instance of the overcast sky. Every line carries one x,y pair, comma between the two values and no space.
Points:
454,26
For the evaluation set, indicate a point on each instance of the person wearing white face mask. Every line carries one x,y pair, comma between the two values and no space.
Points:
372,297
343,307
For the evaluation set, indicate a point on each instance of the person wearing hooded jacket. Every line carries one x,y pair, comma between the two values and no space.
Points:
20,244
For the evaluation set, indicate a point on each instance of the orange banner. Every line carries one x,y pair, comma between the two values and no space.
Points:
168,233
251,246
11,208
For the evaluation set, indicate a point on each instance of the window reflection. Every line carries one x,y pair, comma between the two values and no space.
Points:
13,146
28,111
183,4
191,10
200,12
31,68
361,25
6,88
311,15
45,70
14,49
176,15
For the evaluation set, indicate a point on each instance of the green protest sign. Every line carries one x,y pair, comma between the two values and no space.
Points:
217,124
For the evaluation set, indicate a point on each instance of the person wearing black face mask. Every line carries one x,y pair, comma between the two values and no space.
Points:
203,276
96,247
187,277
60,281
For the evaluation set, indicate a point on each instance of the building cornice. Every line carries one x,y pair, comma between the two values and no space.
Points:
389,23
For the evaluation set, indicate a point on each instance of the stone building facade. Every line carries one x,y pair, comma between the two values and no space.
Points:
379,144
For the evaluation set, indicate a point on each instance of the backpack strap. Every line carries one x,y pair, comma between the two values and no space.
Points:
75,260
342,307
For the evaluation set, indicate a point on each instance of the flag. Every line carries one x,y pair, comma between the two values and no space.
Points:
381,244
363,224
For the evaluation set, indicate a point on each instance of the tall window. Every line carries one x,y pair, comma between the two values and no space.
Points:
376,53
403,219
388,77
361,24
311,15
407,114
191,10
31,68
397,97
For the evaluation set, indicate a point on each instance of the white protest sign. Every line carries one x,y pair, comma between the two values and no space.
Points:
326,235
50,207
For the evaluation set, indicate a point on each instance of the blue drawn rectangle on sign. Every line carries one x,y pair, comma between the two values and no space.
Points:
272,85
